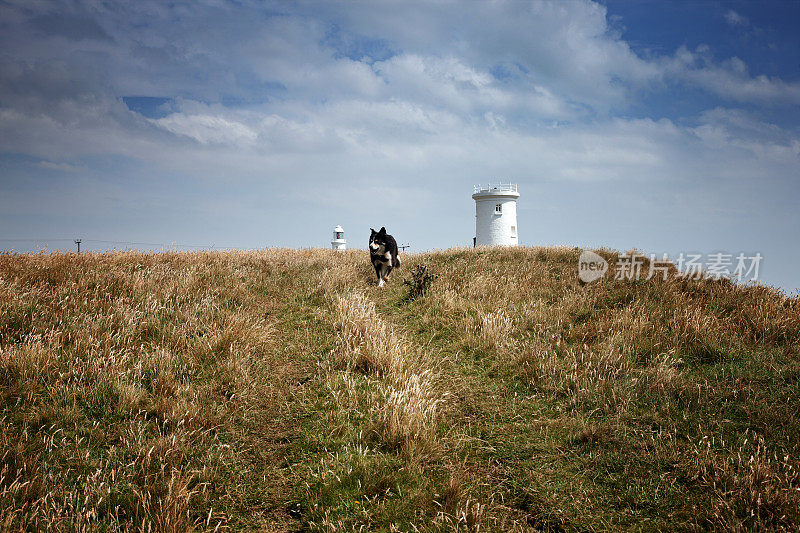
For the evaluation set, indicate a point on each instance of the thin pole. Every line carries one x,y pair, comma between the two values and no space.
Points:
78,242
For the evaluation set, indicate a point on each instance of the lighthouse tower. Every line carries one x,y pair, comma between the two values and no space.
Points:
496,215
338,242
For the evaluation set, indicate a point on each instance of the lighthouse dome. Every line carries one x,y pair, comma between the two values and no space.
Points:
338,242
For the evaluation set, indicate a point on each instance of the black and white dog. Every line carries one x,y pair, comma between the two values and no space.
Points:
383,254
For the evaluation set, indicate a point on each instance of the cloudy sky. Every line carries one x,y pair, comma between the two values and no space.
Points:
668,127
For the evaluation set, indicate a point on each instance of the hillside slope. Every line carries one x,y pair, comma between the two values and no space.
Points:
281,390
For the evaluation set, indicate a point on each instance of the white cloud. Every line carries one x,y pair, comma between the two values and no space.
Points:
755,140
729,79
566,47
61,167
209,129
735,19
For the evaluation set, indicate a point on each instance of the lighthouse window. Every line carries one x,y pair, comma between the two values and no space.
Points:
339,235
514,231
498,209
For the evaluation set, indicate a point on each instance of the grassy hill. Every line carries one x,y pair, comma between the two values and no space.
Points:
281,390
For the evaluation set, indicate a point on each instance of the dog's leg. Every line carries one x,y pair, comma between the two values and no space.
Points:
386,269
378,273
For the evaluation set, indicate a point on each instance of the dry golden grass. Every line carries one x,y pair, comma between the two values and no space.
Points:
410,398
753,482
365,341
617,360
496,328
410,411
119,371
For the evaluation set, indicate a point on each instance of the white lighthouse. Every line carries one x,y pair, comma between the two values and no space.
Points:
338,242
496,215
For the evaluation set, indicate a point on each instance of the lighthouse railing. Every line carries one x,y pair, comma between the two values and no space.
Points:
496,187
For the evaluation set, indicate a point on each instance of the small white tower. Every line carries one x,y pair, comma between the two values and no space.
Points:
496,215
338,242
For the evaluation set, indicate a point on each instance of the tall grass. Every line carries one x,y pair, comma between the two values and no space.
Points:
410,397
280,389
612,362
118,373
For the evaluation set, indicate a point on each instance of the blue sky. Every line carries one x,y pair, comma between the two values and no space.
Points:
668,127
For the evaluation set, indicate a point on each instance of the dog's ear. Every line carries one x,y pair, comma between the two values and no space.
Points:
373,230
382,231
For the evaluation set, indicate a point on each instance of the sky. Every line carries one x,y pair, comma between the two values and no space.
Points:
667,127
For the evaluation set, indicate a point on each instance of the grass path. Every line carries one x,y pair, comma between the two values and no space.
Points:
260,482
262,486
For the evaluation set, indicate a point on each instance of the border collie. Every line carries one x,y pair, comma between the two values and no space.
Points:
383,254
